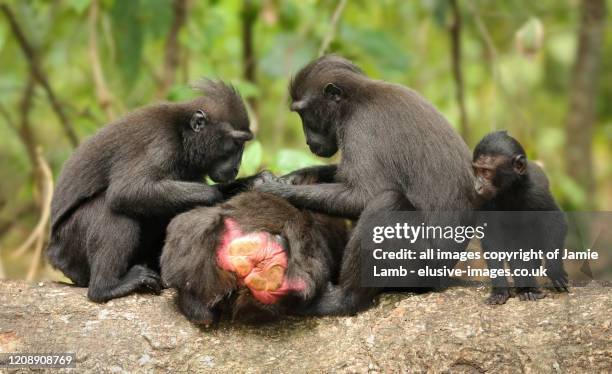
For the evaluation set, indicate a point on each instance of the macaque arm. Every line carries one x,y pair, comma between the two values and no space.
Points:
312,175
231,189
145,197
335,199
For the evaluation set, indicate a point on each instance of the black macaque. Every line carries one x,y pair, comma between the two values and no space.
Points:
398,153
255,257
120,188
507,181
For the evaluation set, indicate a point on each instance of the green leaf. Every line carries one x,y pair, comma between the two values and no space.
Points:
79,6
438,9
529,37
3,34
562,47
246,89
289,16
127,33
288,54
156,17
574,194
288,160
251,159
389,54
180,92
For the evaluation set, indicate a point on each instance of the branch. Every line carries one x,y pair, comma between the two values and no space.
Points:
491,54
39,75
38,234
172,52
138,333
25,130
281,112
331,33
6,225
103,95
7,118
42,180
455,38
249,62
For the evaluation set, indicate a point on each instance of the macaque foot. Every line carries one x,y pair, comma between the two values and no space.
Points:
559,281
138,279
530,293
145,279
498,296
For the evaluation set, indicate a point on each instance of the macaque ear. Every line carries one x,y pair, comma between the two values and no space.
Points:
519,164
198,120
241,136
332,91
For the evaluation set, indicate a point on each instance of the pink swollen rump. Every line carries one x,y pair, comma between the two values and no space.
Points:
259,262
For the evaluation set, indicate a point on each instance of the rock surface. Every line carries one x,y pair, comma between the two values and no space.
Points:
450,331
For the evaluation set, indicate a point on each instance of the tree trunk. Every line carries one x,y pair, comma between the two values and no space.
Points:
455,39
172,51
250,9
441,332
582,96
37,72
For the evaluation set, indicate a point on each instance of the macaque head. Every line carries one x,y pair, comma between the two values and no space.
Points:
217,132
321,95
499,164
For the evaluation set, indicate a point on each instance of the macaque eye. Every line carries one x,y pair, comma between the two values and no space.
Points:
332,91
484,173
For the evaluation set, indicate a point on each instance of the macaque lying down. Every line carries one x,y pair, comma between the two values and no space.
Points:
255,257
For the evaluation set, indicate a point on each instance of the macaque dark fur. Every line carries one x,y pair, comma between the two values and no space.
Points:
120,188
398,153
314,245
507,181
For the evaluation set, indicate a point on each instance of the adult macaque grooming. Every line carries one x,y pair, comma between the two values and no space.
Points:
255,256
507,181
120,188
398,153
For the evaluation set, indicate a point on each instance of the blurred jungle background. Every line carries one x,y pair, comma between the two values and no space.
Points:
541,69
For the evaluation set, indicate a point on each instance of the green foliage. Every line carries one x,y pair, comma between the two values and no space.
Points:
155,17
284,58
3,34
79,6
251,158
128,37
529,36
287,160
521,87
180,93
389,54
246,89
289,17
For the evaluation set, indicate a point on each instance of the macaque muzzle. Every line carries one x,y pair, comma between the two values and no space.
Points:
258,260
